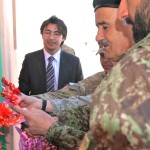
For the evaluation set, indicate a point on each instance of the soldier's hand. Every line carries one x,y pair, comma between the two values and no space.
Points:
38,121
33,102
30,102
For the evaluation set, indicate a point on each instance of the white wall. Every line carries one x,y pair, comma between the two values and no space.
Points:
79,18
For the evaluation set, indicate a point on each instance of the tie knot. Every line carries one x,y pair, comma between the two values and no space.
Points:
50,59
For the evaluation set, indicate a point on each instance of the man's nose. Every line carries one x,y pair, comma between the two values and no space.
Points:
100,35
51,36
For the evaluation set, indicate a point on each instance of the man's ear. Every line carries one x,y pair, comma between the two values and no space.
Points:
123,10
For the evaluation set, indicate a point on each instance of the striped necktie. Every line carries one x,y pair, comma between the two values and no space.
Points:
50,75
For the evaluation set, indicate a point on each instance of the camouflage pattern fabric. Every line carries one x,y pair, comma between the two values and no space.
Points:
82,88
61,105
120,112
71,128
73,113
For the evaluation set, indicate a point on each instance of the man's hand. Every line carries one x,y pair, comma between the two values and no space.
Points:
33,102
38,121
30,102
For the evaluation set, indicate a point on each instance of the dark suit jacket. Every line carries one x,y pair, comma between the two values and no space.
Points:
32,78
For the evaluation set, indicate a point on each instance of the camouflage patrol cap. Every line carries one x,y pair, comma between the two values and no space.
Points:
105,3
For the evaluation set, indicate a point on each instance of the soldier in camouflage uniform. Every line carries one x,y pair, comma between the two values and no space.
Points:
73,114
120,112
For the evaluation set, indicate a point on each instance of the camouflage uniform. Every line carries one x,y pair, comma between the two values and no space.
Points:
68,133
120,112
73,112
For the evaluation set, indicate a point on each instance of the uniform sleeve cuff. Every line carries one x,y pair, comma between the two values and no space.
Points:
51,132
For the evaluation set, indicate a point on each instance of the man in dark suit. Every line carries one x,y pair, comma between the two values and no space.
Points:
67,68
